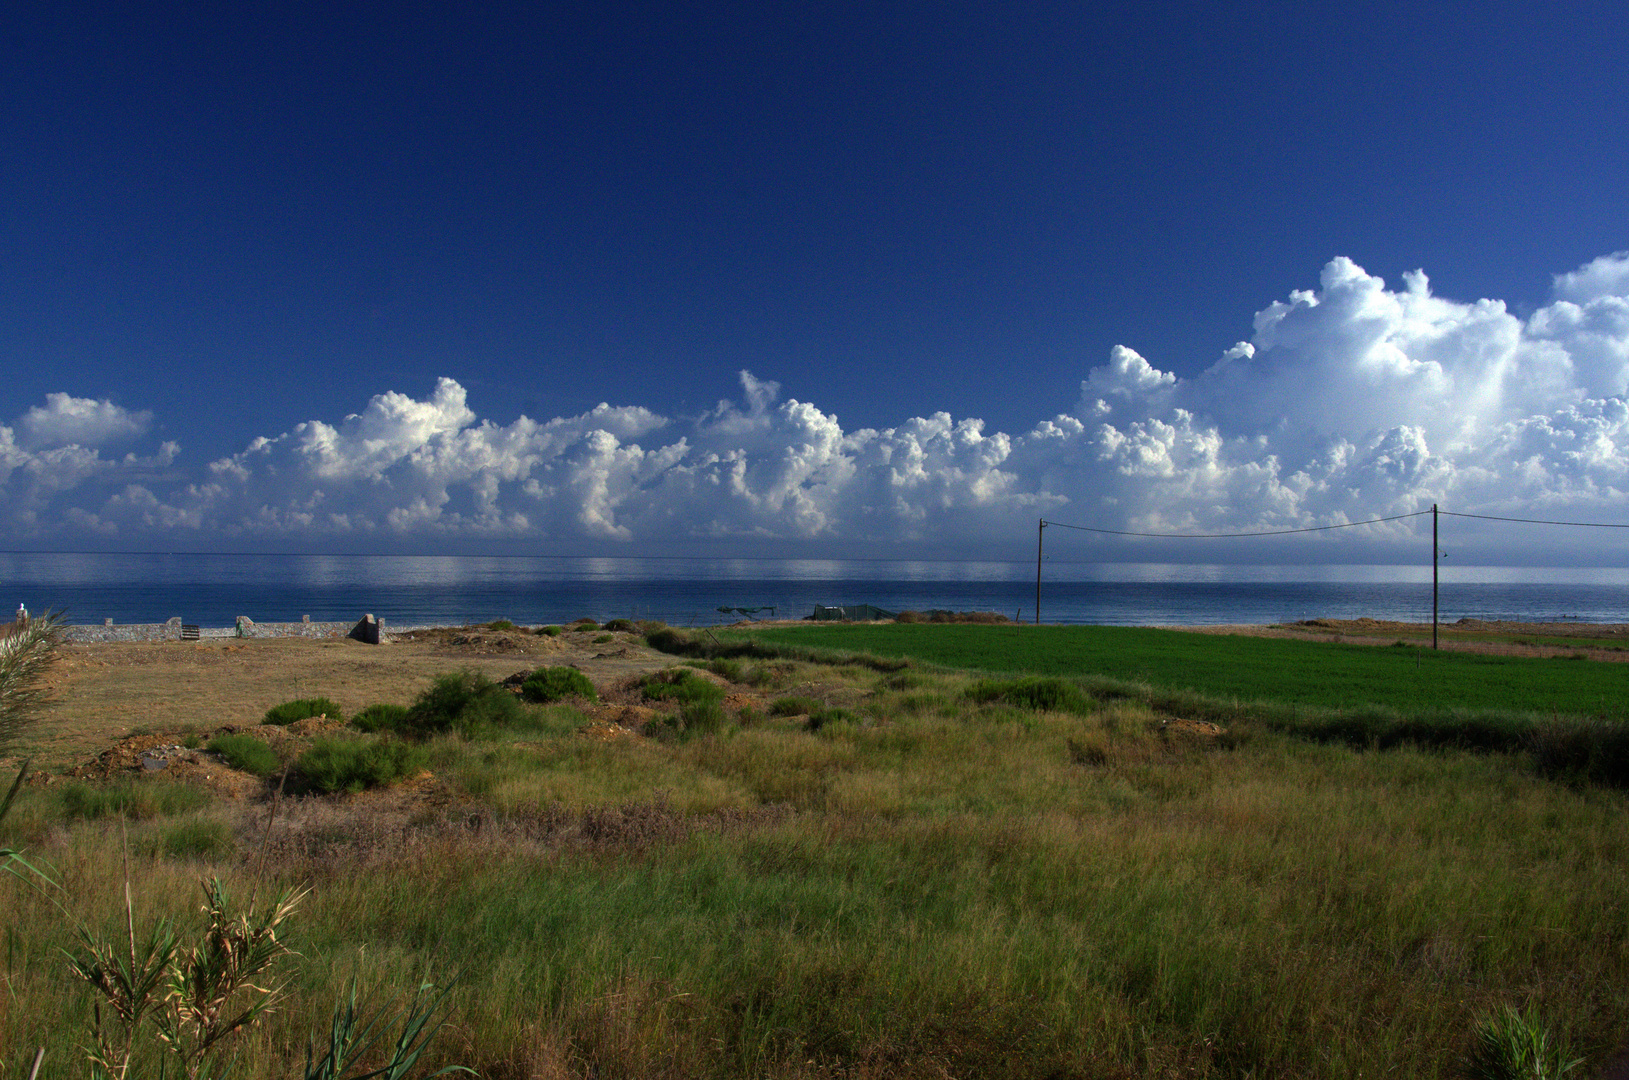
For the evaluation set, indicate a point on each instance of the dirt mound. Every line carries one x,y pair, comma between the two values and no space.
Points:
1199,729
311,725
159,755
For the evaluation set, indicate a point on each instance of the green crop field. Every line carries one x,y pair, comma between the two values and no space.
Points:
1322,675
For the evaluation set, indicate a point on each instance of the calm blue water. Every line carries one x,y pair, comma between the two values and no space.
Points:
212,590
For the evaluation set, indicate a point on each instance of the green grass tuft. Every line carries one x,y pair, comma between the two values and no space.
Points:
246,754
133,799
380,717
290,711
348,764
1052,695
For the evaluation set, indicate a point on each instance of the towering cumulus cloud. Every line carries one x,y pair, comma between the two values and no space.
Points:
1350,401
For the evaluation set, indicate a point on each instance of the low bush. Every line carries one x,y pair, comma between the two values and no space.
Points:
500,624
584,625
553,683
794,706
601,639
465,702
302,708
333,765
683,686
548,631
733,670
380,717
1052,695
621,626
246,754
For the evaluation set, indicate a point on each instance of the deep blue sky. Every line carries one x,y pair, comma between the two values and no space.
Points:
219,221
243,216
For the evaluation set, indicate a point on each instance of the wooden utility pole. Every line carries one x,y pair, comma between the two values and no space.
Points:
1434,550
1040,531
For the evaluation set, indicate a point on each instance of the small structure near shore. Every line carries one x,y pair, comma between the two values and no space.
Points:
366,630
850,613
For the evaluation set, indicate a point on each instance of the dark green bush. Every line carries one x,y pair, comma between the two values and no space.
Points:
465,702
553,683
584,625
548,631
380,717
794,706
500,624
1053,695
624,626
601,639
246,753
345,764
681,685
300,709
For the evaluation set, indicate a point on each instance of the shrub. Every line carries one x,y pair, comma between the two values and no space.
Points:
553,683
1053,695
465,702
302,708
548,631
354,764
602,639
624,626
702,717
794,706
681,685
246,753
585,625
732,670
380,717
500,624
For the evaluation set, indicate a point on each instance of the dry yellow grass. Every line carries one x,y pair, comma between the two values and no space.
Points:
103,692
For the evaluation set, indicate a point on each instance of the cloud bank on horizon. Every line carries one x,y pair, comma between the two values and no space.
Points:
1350,401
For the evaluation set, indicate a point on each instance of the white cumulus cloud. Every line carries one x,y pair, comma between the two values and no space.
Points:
1351,400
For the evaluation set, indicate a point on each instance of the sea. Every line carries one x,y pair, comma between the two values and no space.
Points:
212,590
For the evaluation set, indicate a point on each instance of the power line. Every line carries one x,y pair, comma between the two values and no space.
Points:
1273,532
1537,521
